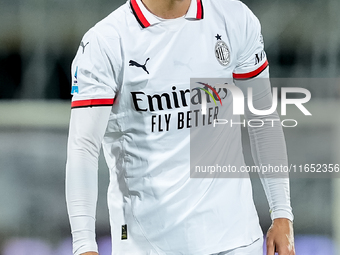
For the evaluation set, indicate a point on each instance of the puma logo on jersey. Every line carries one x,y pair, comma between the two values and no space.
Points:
84,45
134,63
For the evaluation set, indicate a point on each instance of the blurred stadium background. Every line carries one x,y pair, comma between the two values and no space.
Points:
38,40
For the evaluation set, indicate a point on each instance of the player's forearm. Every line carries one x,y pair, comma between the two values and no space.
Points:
266,136
278,195
87,128
268,147
81,197
269,150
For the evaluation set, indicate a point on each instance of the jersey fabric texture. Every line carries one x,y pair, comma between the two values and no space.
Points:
255,248
137,63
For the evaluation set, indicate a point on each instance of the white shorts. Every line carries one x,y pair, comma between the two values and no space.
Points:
256,248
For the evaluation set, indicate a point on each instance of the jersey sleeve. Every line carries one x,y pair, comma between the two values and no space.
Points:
268,145
95,71
86,132
252,59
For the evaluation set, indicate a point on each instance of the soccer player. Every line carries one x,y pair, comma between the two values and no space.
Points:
132,96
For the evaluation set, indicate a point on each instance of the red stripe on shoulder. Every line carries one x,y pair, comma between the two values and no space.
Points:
252,74
139,14
199,9
92,103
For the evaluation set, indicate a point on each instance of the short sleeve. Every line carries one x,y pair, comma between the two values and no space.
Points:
252,59
94,72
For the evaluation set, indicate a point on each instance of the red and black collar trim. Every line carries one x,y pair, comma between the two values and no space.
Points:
200,11
144,22
139,14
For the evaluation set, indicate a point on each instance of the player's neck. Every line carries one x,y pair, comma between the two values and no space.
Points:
167,9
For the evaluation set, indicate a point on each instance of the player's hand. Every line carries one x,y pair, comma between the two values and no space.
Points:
280,238
90,253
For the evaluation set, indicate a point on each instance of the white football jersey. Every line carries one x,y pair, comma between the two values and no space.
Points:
141,65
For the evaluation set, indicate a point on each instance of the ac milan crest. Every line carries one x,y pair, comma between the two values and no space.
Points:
222,52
